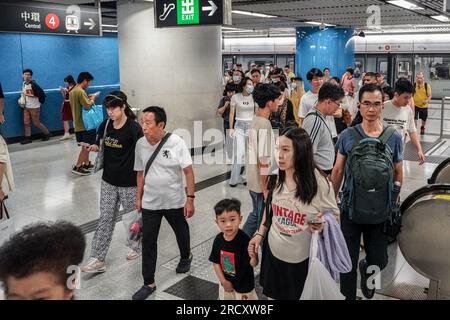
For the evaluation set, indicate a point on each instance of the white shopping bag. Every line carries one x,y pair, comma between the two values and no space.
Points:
132,222
6,224
319,284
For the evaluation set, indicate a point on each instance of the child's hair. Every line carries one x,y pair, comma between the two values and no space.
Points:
42,247
227,205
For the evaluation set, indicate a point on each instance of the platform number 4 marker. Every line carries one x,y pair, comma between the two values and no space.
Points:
52,21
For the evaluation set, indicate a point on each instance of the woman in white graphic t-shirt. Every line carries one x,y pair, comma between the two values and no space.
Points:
301,195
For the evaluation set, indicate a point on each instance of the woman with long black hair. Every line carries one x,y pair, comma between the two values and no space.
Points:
301,195
118,186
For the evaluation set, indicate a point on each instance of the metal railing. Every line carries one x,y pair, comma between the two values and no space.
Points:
445,99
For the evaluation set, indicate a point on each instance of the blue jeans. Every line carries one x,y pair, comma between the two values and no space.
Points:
255,217
240,140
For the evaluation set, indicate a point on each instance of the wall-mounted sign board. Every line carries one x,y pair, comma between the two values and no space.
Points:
42,17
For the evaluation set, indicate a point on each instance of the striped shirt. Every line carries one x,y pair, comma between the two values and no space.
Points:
320,134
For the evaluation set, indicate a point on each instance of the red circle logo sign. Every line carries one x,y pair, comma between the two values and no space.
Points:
52,21
387,48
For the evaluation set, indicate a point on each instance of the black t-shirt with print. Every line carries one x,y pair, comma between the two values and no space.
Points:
233,257
119,152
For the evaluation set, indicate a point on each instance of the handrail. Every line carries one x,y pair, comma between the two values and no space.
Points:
442,116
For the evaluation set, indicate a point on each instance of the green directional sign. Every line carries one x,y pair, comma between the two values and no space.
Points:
188,12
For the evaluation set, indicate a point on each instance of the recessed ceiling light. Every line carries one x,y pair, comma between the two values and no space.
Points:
441,18
315,23
255,14
406,5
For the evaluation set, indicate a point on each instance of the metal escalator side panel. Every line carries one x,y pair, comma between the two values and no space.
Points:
443,167
425,190
425,237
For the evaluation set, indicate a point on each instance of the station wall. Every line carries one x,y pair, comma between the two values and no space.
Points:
52,58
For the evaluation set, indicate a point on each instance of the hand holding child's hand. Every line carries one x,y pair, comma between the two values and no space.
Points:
228,286
251,250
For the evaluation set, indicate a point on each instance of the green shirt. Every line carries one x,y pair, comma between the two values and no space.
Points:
78,99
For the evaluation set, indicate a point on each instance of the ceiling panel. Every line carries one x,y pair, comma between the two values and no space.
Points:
293,13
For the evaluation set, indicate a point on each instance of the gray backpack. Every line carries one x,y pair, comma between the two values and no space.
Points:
370,179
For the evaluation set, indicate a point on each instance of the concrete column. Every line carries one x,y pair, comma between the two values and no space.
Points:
178,69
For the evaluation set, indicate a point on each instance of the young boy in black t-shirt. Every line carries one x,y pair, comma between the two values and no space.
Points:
229,255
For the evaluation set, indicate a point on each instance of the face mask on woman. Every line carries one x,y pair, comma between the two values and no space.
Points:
249,89
294,86
236,78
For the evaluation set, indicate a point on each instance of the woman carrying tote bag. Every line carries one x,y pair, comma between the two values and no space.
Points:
300,197
118,186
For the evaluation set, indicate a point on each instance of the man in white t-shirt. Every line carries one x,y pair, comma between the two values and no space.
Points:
32,107
161,193
398,114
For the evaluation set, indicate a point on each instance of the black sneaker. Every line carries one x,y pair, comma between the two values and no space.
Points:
88,166
80,170
368,293
26,141
46,137
184,265
143,293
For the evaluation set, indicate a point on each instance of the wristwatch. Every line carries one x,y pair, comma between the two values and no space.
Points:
190,196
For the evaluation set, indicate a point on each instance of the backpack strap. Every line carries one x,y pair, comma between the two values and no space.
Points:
155,153
386,134
317,115
357,136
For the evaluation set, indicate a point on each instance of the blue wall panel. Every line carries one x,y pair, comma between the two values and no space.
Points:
52,58
332,48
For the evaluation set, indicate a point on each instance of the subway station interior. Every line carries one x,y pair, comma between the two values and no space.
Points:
181,55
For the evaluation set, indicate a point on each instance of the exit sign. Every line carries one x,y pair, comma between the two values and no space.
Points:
181,13
187,12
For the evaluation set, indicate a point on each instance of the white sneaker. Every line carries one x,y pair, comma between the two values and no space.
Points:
66,136
131,255
94,266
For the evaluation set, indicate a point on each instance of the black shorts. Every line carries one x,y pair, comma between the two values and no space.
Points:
421,113
86,136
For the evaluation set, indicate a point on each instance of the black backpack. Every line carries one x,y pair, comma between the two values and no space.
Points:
426,87
38,92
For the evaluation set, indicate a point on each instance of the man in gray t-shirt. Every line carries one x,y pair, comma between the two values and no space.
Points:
315,123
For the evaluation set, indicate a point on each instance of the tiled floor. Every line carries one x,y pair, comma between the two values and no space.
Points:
47,190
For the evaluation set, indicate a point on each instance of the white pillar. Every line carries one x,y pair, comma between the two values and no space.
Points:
178,69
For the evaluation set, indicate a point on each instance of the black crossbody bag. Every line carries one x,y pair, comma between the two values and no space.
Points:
155,153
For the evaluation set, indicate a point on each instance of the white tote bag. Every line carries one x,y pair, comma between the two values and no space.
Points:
319,284
6,224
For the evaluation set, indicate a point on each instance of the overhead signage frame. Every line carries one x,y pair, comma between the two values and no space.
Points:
49,18
183,13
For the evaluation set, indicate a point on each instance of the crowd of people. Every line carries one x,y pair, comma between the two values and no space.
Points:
331,155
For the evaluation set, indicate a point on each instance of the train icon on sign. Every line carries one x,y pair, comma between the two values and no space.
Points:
72,23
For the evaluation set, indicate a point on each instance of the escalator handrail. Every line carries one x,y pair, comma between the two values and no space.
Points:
421,192
438,170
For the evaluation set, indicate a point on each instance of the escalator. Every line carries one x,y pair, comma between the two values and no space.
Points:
425,236
442,173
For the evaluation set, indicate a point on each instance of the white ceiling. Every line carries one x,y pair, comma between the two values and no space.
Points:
293,13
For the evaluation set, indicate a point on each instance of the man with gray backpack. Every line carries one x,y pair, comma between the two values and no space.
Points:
371,156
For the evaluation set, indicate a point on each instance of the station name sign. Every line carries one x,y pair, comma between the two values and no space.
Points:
40,17
181,13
